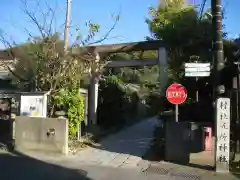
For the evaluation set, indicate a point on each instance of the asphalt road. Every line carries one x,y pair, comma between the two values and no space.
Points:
16,166
19,167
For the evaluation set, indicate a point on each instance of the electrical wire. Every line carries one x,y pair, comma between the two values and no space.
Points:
202,8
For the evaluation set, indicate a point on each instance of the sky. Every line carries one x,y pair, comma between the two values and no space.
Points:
16,26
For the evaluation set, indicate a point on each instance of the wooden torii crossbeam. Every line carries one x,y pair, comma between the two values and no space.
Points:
105,50
128,47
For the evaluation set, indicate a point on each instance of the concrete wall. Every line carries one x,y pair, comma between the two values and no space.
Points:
41,134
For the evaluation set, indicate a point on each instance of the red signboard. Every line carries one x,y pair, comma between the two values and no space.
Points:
176,93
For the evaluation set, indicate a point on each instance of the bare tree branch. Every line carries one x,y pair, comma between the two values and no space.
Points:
40,60
106,35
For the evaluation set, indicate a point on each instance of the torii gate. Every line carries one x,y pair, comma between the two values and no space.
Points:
101,50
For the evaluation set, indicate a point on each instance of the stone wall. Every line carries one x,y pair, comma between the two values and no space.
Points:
41,134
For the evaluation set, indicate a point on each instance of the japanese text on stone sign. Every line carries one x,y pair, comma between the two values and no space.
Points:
223,130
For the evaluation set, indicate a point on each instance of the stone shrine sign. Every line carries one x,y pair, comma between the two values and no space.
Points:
223,135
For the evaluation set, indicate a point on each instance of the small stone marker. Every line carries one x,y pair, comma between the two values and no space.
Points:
223,135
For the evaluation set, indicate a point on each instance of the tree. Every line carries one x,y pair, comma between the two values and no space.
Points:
188,36
41,61
185,34
42,64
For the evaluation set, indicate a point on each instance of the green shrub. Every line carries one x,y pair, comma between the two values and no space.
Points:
72,102
116,102
156,103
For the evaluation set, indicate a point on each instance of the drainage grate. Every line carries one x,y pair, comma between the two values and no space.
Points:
158,170
185,175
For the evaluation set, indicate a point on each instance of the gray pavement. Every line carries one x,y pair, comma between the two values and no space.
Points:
117,157
19,167
111,173
16,166
123,149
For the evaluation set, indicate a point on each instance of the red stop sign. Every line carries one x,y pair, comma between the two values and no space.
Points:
176,93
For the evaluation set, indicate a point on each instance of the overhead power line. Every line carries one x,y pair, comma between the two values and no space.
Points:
202,8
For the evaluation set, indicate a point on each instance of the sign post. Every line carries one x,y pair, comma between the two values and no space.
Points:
197,70
223,135
176,112
176,94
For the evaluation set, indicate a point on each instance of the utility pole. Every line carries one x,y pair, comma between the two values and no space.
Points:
66,28
218,65
218,58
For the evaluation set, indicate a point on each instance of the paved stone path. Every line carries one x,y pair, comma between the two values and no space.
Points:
123,149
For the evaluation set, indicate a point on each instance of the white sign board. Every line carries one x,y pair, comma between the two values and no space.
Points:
197,69
197,74
197,65
33,105
223,135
